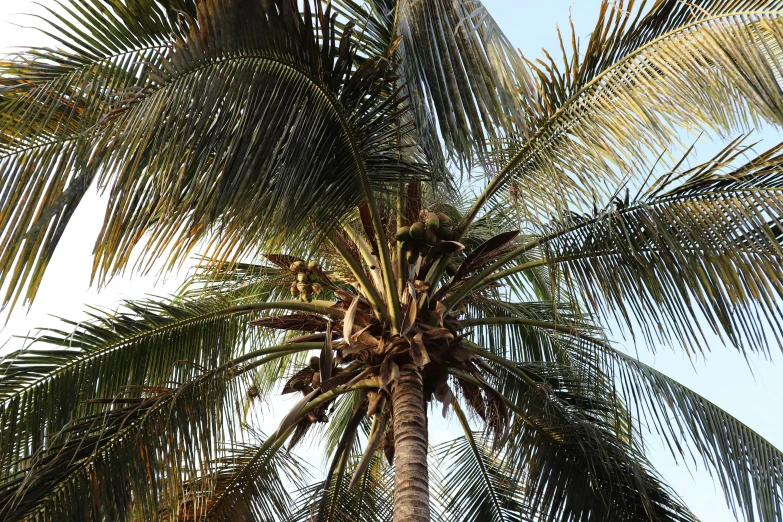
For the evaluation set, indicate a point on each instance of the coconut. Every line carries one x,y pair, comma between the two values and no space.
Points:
444,219
300,265
433,223
403,234
302,277
313,265
297,385
302,287
451,269
417,230
293,268
294,289
317,288
317,380
313,277
315,362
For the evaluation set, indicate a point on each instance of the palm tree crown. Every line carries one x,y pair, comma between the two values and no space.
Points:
311,152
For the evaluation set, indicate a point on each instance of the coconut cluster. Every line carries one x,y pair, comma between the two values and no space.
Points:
423,235
307,280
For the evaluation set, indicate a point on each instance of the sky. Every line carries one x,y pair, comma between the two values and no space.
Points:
750,390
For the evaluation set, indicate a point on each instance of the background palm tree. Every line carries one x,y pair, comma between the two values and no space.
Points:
312,153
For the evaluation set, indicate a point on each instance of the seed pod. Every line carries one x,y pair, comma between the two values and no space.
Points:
444,219
430,237
317,380
313,277
417,230
315,362
412,254
317,288
433,223
313,265
403,234
302,277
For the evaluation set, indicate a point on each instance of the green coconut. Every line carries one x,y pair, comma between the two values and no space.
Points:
313,265
444,219
451,269
317,288
294,289
315,362
302,277
313,277
433,223
417,230
403,234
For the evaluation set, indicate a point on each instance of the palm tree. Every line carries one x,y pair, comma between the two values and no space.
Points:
317,156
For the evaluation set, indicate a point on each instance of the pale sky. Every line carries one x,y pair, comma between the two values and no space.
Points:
751,391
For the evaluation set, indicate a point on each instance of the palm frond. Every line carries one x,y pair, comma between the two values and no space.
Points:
280,84
53,102
128,457
704,244
45,385
255,87
463,75
748,468
271,486
571,449
641,80
371,501
479,485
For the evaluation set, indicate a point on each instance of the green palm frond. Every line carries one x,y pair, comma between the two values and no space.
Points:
128,457
53,103
478,484
463,75
572,453
253,103
270,488
748,468
640,81
370,501
521,337
707,244
279,86
145,343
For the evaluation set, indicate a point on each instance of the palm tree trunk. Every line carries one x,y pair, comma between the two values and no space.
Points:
411,481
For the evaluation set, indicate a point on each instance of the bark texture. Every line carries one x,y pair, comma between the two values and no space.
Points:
411,481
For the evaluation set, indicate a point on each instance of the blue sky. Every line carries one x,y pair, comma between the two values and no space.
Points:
751,390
